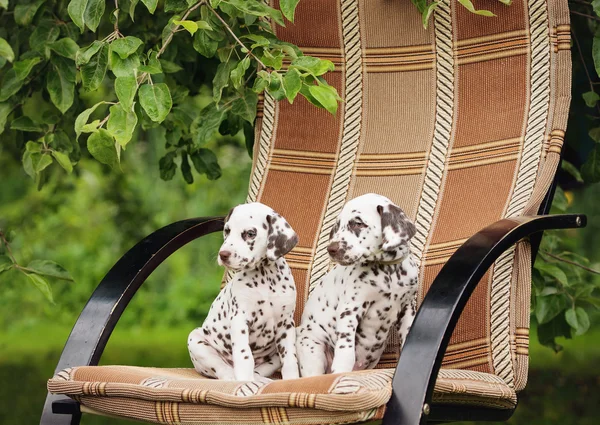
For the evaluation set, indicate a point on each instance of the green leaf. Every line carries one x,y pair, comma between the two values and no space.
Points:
91,127
60,84
552,270
84,55
590,98
63,160
596,5
206,124
124,67
426,14
572,170
126,46
5,110
150,5
288,7
92,15
167,166
245,106
175,5
10,85
273,59
548,307
24,13
33,147
83,118
238,73
6,51
25,124
190,26
596,53
49,268
312,65
45,33
557,327
121,124
469,6
27,160
205,162
125,88
221,79
204,45
327,96
578,319
102,147
42,284
23,67
186,170
169,67
5,263
65,47
93,72
40,163
262,81
292,82
156,101
590,170
203,25
76,11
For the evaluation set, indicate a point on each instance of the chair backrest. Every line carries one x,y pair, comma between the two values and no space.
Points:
461,125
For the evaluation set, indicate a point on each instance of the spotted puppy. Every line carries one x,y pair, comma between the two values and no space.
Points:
370,291
249,332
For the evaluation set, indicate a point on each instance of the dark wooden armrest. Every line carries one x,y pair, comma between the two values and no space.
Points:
104,308
437,316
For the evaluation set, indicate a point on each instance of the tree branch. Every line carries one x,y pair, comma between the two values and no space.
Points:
585,15
176,27
8,250
587,72
573,263
228,28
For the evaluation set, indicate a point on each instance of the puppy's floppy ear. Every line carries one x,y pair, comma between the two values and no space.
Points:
229,215
281,237
396,228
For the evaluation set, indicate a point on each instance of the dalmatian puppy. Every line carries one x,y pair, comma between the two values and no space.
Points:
249,332
369,292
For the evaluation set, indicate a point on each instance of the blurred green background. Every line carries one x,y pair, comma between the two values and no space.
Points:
86,222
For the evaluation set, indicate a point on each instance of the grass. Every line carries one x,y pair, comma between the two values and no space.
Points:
562,387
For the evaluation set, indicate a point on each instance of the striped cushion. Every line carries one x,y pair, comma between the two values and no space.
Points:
183,396
461,125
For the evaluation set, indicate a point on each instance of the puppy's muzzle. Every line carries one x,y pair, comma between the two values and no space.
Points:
224,256
336,251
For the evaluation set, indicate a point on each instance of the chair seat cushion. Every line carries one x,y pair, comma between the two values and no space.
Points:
183,396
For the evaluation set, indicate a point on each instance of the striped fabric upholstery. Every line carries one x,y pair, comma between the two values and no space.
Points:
181,396
461,125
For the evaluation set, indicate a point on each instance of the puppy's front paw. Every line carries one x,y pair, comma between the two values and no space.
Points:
290,371
261,379
244,376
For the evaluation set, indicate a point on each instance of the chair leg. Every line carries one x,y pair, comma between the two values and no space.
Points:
51,418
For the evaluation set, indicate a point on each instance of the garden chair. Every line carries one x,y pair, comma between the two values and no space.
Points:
461,125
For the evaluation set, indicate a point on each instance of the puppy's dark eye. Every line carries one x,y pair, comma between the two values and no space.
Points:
249,234
226,232
356,224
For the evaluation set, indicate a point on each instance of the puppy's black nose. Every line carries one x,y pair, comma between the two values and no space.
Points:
333,248
224,255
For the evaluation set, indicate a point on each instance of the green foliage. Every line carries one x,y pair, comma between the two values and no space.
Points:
75,57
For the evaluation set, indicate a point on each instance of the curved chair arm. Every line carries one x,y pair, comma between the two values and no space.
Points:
104,308
437,316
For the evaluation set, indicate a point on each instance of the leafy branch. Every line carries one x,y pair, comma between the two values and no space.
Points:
37,271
